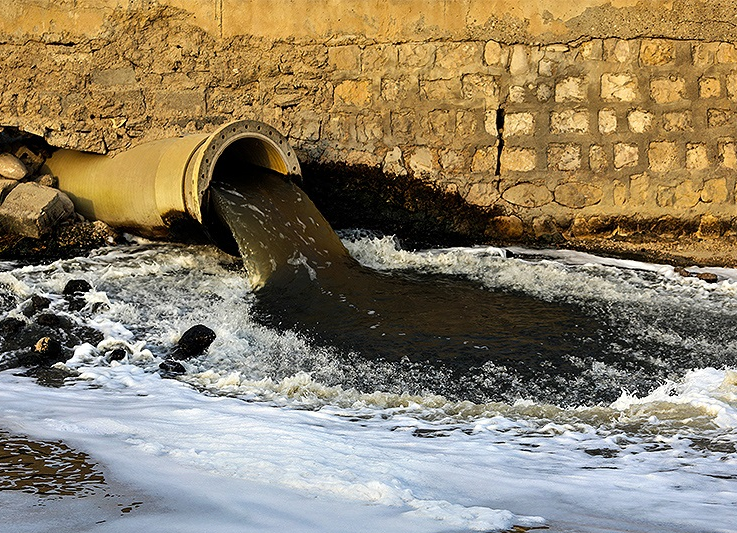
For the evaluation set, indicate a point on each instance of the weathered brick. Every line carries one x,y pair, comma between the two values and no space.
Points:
519,124
481,85
657,52
519,62
345,58
422,160
492,53
517,159
598,160
569,121
578,195
726,53
528,195
662,156
727,150
353,93
564,156
607,121
704,54
483,194
715,191
666,90
619,87
570,90
697,157
639,120
732,86
417,55
626,155
678,121
485,160
710,87
717,118
441,90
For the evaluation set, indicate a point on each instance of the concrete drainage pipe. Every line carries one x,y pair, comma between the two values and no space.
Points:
153,186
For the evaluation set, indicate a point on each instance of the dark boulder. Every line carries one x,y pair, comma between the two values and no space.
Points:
76,287
195,341
35,304
171,367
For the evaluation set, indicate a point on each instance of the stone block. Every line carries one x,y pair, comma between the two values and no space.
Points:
369,128
402,123
697,157
507,227
564,156
710,87
667,90
187,103
619,193
718,118
517,94
726,53
11,167
578,195
704,54
458,57
607,121
483,194
544,226
654,52
544,92
688,194
442,123
517,159
5,187
345,59
519,62
468,123
353,93
592,50
379,58
440,90
528,195
569,121
481,86
394,163
421,161
732,86
710,227
666,196
485,160
570,90
519,124
715,191
626,155
678,121
639,121
114,76
663,156
490,117
727,151
492,53
416,55
32,210
453,161
546,68
618,50
598,160
641,191
400,90
619,87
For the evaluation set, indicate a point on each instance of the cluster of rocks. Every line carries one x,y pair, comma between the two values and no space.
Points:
38,337
36,218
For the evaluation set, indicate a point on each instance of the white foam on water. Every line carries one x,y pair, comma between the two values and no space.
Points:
281,441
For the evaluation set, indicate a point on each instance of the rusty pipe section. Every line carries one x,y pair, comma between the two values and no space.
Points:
153,185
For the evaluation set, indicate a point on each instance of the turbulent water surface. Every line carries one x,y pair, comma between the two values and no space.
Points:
465,389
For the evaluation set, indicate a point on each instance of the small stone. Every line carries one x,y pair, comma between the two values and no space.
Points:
10,327
708,277
47,180
682,272
11,167
172,367
118,354
195,341
35,304
76,287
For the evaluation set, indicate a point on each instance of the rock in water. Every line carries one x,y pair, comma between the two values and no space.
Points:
193,342
46,351
76,287
32,210
11,167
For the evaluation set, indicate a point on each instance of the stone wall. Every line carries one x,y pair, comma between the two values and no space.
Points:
560,120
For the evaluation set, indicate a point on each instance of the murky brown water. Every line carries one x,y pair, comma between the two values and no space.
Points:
48,468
